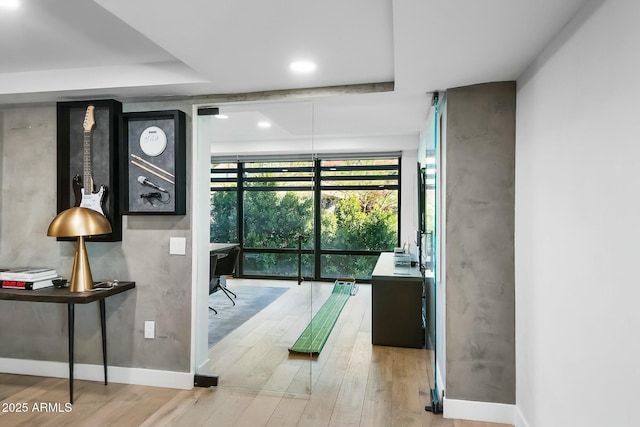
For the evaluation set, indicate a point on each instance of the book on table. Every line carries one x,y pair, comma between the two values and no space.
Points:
27,285
28,274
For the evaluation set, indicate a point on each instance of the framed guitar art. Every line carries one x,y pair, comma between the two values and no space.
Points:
154,163
88,162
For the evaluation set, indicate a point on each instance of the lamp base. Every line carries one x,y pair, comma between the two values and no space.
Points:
81,279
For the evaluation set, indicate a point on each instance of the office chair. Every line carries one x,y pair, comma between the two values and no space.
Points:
219,267
212,289
213,261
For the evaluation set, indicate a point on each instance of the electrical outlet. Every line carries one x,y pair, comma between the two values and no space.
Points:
149,329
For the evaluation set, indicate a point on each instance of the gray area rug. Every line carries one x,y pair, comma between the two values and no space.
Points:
251,300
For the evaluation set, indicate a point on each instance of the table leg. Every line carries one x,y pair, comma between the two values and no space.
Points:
103,326
70,312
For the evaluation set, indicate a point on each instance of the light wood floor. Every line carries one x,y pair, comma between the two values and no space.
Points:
352,383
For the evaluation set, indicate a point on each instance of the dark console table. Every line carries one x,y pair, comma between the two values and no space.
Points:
397,307
64,296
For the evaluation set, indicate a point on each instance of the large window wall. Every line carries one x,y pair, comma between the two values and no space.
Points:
339,213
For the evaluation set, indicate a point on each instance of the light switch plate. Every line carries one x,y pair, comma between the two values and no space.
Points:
177,246
149,329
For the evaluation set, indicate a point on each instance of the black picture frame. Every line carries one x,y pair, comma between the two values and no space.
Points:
153,164
104,157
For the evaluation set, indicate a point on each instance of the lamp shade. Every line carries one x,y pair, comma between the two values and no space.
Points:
78,221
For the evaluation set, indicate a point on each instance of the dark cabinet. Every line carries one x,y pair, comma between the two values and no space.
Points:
397,304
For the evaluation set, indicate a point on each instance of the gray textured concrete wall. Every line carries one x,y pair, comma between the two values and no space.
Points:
38,331
480,298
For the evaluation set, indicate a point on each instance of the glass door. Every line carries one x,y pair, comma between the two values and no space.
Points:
261,197
430,178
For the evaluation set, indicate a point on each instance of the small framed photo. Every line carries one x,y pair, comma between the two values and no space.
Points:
154,163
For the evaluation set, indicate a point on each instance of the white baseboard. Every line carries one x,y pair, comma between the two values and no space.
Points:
520,421
115,374
479,411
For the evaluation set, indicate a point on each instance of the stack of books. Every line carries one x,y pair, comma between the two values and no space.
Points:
31,278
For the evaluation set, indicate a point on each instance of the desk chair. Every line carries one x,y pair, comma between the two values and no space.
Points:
219,268
213,261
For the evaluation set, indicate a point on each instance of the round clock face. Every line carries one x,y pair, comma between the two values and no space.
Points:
153,141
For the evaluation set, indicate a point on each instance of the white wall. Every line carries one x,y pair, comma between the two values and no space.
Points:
409,197
578,224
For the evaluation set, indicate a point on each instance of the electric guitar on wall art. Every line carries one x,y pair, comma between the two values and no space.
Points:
83,187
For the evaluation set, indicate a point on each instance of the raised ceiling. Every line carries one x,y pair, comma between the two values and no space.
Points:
78,49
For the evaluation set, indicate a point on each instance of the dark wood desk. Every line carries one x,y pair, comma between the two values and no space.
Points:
221,248
64,296
396,299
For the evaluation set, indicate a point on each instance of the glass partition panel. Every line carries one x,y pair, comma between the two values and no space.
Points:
358,214
359,203
357,266
276,264
261,202
223,226
430,175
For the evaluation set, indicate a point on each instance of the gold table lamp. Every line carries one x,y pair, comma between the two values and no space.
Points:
79,222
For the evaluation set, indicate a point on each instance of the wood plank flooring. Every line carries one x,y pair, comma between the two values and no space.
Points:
351,383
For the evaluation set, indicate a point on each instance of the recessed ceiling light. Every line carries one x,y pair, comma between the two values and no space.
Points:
302,66
264,124
221,116
10,4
